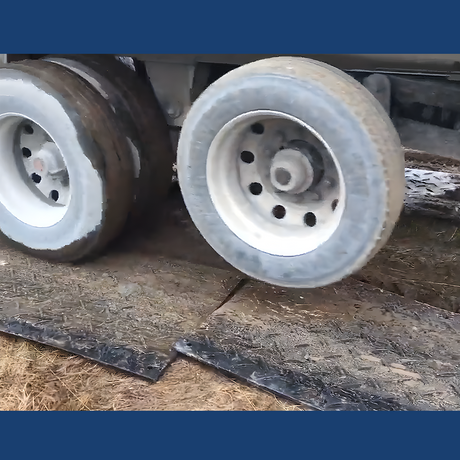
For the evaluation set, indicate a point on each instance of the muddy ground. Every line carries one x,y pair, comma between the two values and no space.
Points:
419,263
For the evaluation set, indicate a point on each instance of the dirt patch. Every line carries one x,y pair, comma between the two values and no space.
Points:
420,262
34,377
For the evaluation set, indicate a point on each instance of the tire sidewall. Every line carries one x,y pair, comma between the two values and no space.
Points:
356,154
26,95
110,93
150,129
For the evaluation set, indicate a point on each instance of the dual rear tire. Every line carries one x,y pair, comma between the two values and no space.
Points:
77,153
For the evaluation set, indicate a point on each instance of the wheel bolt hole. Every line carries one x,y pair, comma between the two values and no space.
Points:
255,188
54,195
279,212
283,176
257,128
36,178
310,219
247,157
28,129
334,204
26,152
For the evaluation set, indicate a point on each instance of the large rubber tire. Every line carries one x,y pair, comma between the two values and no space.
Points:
350,121
97,154
137,107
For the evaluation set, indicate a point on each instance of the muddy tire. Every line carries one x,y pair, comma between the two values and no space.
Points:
144,124
291,171
66,188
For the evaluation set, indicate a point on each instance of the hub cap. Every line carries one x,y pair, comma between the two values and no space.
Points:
275,183
34,186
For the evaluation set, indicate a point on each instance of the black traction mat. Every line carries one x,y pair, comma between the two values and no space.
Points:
346,347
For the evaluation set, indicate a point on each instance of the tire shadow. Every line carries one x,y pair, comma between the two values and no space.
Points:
167,232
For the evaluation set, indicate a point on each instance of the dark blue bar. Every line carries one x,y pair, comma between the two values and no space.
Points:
179,435
237,26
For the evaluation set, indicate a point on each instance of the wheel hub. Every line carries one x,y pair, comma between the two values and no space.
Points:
39,165
291,172
275,183
44,163
37,171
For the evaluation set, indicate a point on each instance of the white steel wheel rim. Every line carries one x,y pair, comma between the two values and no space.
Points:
35,184
245,166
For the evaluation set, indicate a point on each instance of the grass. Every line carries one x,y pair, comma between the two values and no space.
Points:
37,378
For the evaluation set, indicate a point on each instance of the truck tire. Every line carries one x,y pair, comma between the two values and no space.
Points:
291,172
145,126
67,182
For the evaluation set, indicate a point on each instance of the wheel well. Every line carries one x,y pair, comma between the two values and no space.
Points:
424,108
